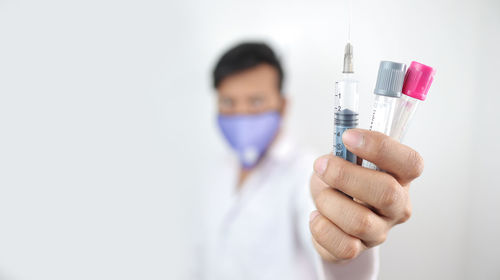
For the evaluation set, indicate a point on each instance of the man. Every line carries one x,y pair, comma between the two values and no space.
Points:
259,221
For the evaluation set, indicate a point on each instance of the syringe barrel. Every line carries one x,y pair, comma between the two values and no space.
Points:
404,111
346,114
344,120
346,94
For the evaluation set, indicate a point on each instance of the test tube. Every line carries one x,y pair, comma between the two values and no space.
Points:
346,106
387,92
417,82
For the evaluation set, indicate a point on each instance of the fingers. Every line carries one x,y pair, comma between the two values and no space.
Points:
317,185
388,154
352,217
377,189
323,252
333,243
343,227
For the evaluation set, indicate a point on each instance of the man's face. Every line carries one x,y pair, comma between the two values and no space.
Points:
252,91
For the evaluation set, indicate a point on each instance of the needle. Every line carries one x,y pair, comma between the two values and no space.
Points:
349,20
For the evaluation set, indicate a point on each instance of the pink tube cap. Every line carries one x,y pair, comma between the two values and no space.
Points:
418,80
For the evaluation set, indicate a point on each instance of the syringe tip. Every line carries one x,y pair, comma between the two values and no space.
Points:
348,54
348,48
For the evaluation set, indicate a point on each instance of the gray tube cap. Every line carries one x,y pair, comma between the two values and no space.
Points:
391,76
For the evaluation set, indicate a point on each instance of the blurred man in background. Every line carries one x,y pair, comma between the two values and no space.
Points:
259,217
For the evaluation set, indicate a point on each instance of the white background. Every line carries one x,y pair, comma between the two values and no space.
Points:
107,124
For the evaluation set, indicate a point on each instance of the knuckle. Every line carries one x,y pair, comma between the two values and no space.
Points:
321,199
391,194
417,162
325,254
316,185
383,146
381,238
327,257
320,230
364,224
341,175
349,249
406,213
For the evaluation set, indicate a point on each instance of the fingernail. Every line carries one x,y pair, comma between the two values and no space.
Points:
313,215
320,165
353,138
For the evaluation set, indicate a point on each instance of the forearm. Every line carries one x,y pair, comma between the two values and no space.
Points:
365,266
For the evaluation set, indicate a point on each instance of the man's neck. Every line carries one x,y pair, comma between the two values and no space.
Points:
243,176
244,173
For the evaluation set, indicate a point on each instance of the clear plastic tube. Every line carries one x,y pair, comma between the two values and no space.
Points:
418,80
387,92
405,109
382,116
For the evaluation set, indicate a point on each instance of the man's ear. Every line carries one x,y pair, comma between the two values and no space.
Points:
283,107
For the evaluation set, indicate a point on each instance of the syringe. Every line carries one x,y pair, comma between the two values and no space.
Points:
387,91
417,82
346,106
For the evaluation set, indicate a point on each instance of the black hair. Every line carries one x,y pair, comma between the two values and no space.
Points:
243,57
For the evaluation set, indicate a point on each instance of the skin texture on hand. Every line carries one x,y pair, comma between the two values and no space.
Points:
342,227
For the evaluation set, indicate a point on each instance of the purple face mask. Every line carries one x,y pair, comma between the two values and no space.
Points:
250,135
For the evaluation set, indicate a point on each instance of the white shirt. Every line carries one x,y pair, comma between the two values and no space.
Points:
261,231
